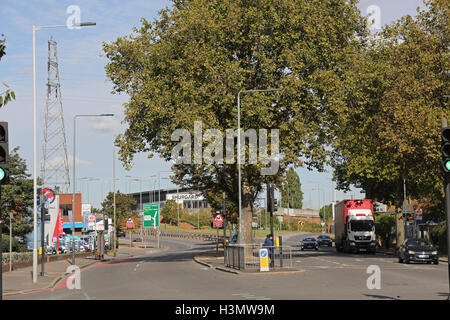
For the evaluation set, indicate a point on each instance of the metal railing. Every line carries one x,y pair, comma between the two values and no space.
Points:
186,235
246,257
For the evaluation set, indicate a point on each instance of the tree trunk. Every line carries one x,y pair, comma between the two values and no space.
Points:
400,229
247,237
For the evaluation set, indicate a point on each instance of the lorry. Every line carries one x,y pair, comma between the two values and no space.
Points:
354,226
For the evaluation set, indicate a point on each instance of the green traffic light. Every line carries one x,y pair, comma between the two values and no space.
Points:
2,174
447,165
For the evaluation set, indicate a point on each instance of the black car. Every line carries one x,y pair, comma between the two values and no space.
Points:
418,250
323,240
309,243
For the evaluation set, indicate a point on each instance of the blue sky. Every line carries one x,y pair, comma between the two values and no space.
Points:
86,90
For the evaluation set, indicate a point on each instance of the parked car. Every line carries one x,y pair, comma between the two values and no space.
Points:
324,240
51,250
120,233
309,243
417,250
62,249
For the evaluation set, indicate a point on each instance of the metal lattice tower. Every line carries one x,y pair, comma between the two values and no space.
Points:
54,163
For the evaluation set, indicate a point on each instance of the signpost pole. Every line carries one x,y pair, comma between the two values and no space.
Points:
130,242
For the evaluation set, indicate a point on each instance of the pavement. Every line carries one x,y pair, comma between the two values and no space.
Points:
20,281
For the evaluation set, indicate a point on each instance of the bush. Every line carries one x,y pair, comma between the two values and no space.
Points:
16,245
17,256
383,226
439,236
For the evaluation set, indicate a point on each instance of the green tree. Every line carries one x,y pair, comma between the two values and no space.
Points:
17,197
124,204
389,110
383,228
326,213
170,212
292,189
7,95
190,63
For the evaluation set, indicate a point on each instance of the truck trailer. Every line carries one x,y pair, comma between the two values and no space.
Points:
354,226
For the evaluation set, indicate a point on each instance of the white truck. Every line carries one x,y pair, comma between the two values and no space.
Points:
354,226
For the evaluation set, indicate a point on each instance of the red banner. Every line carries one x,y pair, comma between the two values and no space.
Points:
58,229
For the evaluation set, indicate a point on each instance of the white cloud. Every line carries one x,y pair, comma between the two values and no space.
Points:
78,162
104,124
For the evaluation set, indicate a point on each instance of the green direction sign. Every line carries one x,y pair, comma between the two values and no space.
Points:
151,215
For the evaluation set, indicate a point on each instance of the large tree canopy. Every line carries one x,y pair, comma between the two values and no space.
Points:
389,110
393,101
190,63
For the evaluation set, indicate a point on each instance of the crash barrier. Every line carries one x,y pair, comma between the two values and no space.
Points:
196,236
246,257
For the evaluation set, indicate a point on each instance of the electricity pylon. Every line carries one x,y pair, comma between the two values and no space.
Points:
54,163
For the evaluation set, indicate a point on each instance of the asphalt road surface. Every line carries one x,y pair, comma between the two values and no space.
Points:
171,274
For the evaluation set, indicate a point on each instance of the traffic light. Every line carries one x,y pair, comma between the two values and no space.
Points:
446,150
4,153
271,201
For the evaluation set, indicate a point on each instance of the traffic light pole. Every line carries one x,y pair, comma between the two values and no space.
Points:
447,212
1,247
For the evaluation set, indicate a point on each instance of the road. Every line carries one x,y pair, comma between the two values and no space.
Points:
171,274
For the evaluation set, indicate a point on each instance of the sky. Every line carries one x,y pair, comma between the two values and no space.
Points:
85,89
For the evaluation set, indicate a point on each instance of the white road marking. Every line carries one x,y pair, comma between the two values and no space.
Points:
251,296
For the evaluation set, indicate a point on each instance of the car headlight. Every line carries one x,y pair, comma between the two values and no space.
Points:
434,252
411,252
352,243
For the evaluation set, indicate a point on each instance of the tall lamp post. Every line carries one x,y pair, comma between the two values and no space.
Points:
34,29
239,152
324,210
74,177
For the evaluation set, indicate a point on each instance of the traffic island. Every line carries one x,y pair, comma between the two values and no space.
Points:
215,260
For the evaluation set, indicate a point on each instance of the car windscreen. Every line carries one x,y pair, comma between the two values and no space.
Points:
361,225
418,243
309,239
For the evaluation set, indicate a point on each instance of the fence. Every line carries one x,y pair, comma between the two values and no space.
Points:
246,257
197,236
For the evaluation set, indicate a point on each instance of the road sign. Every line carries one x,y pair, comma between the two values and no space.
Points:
418,215
130,223
151,215
99,225
263,260
49,193
218,221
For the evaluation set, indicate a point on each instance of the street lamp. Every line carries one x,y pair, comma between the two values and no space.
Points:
239,152
73,185
34,29
88,179
324,209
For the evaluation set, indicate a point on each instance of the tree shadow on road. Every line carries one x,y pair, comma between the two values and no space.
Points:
376,296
